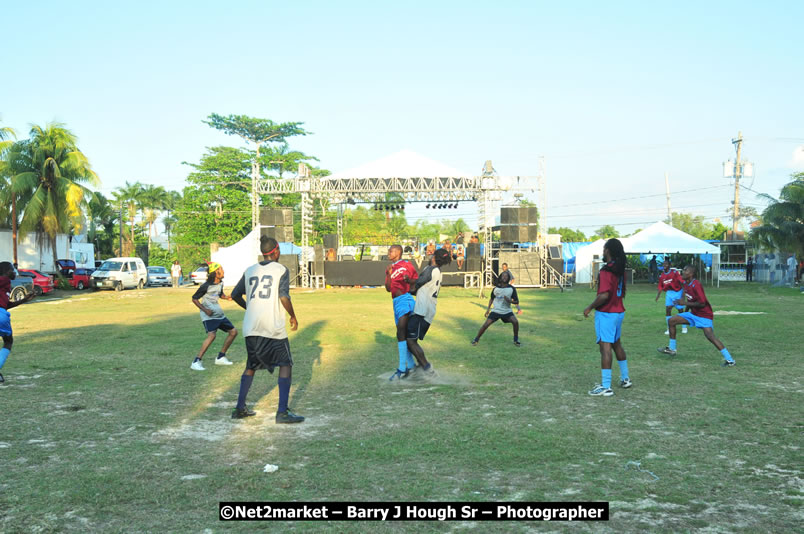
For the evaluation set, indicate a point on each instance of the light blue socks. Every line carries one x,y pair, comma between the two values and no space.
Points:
606,378
3,356
724,352
403,355
623,369
411,363
672,344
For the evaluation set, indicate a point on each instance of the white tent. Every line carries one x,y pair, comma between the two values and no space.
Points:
658,238
661,238
235,259
403,164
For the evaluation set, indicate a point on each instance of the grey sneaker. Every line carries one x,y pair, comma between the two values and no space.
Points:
625,383
728,363
600,391
667,350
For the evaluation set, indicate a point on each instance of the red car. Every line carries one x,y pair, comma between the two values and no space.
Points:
42,283
78,278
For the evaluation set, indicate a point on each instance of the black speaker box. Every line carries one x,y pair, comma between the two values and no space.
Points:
319,253
509,215
514,234
276,217
533,214
472,251
331,241
473,264
533,233
291,261
317,268
283,234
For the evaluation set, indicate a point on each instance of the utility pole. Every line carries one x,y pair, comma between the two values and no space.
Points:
667,192
738,171
121,229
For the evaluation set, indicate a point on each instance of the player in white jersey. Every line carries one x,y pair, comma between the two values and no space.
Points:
207,300
502,297
266,288
426,289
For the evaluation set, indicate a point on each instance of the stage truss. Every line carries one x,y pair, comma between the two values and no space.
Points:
486,190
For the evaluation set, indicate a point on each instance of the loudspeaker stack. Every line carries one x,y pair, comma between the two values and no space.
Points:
473,257
318,264
277,223
519,224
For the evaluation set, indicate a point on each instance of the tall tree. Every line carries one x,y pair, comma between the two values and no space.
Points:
568,235
694,225
50,166
172,202
152,199
129,196
782,225
256,131
605,232
8,197
102,216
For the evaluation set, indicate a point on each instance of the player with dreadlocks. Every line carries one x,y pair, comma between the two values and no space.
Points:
609,314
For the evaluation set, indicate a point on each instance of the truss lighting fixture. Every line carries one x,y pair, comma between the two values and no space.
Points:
427,206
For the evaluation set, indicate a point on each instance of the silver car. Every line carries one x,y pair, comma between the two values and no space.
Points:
159,276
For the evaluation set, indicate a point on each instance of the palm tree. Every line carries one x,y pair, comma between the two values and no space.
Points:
6,134
103,214
50,168
171,203
129,195
152,201
783,220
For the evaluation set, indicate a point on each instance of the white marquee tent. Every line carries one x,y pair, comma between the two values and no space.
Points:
659,238
236,258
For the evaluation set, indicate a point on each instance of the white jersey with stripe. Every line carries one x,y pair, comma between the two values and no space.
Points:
263,284
427,294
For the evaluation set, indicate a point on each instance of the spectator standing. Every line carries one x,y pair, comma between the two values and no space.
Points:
175,273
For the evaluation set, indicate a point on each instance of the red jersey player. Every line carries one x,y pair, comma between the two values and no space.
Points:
399,276
699,315
670,282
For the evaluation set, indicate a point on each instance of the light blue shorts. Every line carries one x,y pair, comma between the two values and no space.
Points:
697,322
5,323
608,326
671,296
403,305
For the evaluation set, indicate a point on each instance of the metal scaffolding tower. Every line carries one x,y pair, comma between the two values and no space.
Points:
484,189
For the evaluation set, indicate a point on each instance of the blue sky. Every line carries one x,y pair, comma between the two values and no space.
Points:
612,95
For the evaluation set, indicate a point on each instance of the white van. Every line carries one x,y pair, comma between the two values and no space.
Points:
119,274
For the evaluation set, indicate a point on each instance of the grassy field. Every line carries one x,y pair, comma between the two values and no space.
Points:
106,429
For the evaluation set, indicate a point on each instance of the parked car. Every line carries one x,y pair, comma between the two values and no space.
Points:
20,286
43,284
159,276
79,278
119,274
200,275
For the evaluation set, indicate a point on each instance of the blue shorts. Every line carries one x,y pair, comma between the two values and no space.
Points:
5,322
212,325
608,326
403,305
671,296
697,322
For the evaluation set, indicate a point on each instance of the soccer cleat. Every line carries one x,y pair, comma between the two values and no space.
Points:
517,343
196,366
240,413
288,417
666,350
600,391
399,375
728,363
625,383
667,332
475,342
684,330
223,361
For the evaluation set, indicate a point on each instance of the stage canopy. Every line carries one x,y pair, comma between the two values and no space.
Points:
659,238
402,164
236,258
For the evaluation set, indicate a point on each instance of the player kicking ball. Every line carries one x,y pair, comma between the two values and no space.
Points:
426,289
502,297
7,274
266,288
671,283
207,300
609,315
699,314
398,279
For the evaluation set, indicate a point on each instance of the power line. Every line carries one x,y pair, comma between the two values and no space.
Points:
636,198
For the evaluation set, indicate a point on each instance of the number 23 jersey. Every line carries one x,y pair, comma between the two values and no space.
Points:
263,284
